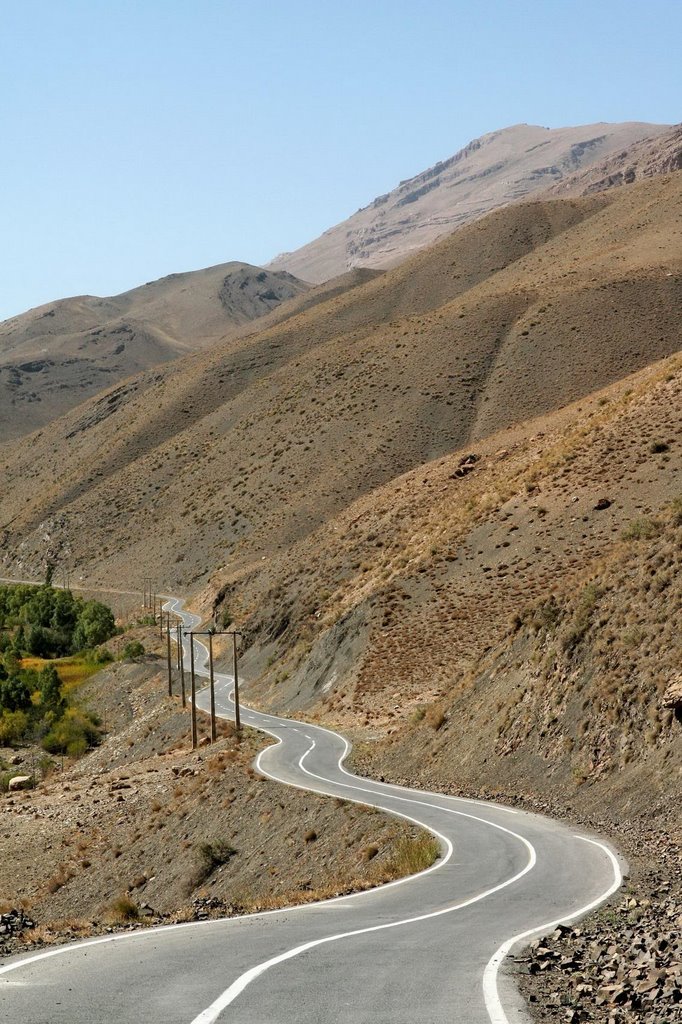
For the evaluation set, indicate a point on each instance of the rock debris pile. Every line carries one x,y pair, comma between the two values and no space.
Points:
14,922
627,969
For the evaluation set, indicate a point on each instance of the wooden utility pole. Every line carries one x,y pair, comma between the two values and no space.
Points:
234,633
168,652
181,664
237,722
178,636
193,708
211,685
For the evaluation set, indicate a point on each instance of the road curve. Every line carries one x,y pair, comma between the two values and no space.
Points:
427,948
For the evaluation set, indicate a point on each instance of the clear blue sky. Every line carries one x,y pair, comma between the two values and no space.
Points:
142,137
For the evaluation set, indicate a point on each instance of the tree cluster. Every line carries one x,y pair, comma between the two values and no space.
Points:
48,623
45,623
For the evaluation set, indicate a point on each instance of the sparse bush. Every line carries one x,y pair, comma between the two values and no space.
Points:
641,529
676,511
13,727
209,857
546,616
413,855
99,656
132,650
72,735
434,717
122,910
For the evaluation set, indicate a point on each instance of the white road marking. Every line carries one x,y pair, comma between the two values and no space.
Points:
212,1012
491,995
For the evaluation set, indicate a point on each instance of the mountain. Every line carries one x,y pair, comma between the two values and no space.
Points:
55,356
660,154
499,168
237,453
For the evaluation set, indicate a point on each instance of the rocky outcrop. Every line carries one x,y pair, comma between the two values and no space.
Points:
672,697
20,782
12,925
660,154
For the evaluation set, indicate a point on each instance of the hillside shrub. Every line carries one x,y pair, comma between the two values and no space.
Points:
132,650
99,656
641,529
210,855
13,727
74,733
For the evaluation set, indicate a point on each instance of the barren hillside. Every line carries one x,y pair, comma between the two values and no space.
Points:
237,453
492,171
54,357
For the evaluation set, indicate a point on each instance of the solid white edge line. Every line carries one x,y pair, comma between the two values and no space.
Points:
491,994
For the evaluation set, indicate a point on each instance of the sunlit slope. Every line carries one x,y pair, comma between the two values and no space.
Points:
248,447
504,617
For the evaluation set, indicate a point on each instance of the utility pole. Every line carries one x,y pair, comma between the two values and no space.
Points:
234,633
193,708
178,635
181,664
161,622
211,685
237,722
168,651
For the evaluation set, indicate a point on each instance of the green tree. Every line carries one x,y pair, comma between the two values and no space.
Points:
95,625
39,642
15,694
19,643
52,703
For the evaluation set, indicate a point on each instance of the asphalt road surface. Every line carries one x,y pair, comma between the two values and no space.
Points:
423,950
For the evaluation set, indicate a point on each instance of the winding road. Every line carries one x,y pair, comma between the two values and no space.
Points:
428,948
